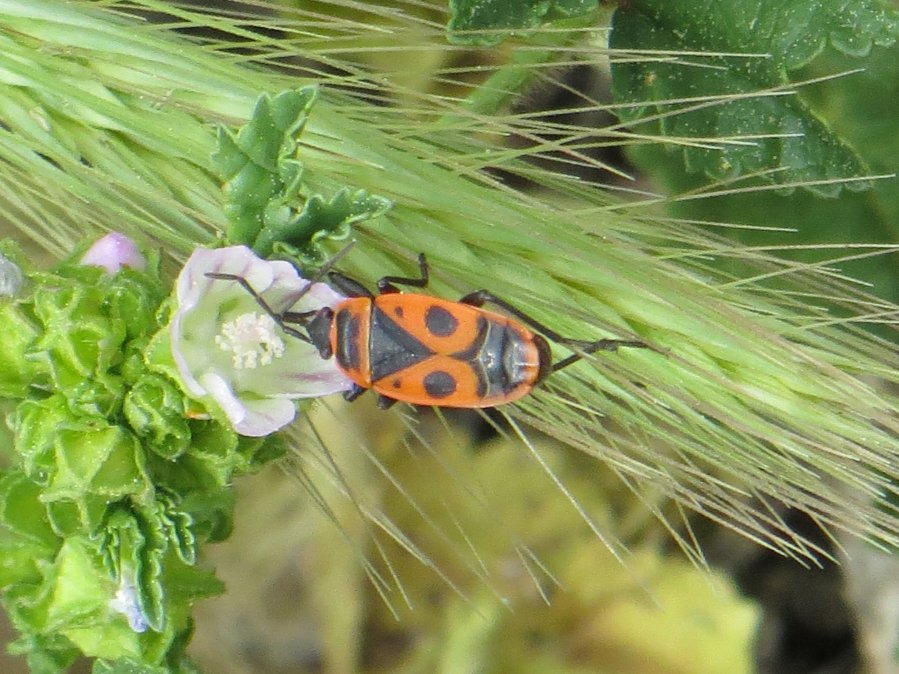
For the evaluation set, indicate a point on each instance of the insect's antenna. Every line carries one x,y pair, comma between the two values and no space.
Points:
282,319
325,268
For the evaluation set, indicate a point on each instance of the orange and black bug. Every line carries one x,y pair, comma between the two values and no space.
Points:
425,350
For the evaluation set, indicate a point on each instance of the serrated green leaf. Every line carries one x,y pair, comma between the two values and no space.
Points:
212,513
249,162
488,22
154,407
214,448
36,423
299,235
263,176
95,465
781,137
80,343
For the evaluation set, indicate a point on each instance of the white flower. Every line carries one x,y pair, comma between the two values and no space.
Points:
227,348
112,252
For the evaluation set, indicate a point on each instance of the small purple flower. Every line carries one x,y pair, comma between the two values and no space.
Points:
126,603
227,348
114,251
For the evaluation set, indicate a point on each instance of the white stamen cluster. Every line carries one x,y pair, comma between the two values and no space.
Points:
252,340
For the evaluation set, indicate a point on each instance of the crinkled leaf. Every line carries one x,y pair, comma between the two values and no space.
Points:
298,235
95,466
212,513
45,653
134,298
154,407
862,107
22,513
70,606
80,344
27,543
488,22
138,544
265,201
261,451
214,447
776,134
175,525
79,607
17,334
36,423
76,588
127,666
250,160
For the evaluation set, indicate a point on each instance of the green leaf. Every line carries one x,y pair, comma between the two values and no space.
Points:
36,423
141,543
27,542
135,547
17,334
23,514
45,653
734,134
126,666
298,235
489,22
154,407
214,446
264,189
81,343
861,108
250,161
133,297
95,465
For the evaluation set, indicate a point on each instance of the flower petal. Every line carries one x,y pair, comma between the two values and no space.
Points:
254,393
114,251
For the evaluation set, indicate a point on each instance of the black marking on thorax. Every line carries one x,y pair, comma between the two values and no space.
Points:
391,347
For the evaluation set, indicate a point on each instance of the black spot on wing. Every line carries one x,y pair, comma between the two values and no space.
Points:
392,348
440,322
439,384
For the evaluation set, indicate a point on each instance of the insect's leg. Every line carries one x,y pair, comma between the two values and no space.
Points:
354,393
385,403
279,319
348,286
481,297
388,283
599,345
298,316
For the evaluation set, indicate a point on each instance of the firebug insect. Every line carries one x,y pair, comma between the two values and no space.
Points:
424,350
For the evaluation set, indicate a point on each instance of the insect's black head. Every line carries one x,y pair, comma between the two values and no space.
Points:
319,331
545,358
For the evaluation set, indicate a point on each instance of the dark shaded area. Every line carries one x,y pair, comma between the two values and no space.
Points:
806,625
